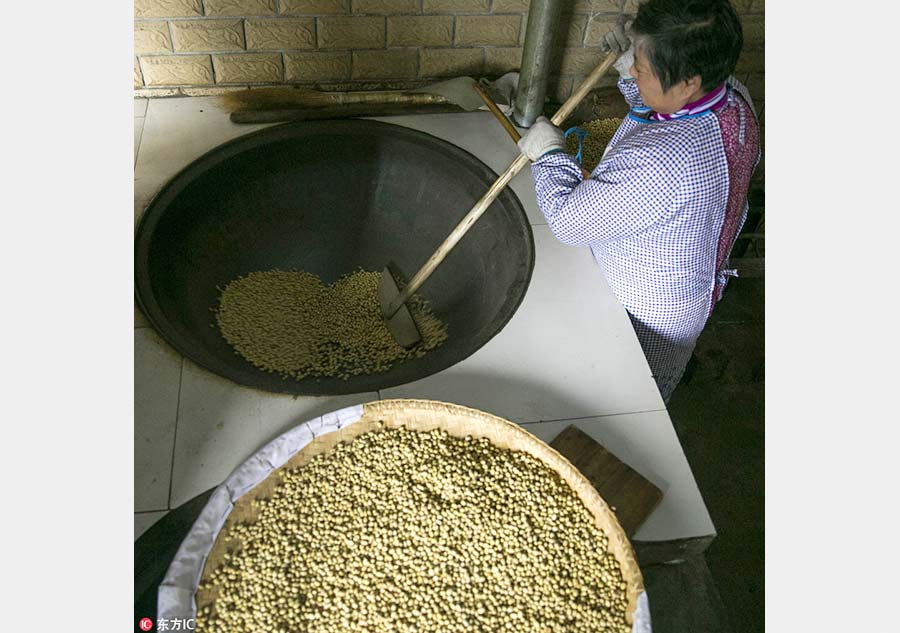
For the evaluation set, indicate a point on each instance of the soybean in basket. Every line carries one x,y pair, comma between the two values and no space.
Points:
403,531
292,324
600,132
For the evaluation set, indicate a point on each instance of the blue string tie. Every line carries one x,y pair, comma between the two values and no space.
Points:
581,134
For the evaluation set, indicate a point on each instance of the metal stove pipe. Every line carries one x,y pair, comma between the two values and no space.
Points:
543,21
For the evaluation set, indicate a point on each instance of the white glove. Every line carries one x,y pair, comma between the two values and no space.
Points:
541,137
624,63
618,40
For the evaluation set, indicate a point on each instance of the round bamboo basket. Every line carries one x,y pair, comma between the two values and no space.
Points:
459,421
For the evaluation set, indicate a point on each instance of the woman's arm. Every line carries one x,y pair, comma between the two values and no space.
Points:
631,190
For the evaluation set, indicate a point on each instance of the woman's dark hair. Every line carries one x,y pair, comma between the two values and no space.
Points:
683,38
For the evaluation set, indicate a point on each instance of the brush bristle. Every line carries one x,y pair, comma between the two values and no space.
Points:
275,99
298,98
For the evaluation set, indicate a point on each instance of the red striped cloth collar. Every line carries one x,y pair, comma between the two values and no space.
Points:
713,100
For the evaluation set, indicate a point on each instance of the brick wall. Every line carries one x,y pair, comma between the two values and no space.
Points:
197,47
207,46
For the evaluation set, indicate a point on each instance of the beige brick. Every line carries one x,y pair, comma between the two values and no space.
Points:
361,32
754,29
248,68
598,26
152,37
281,34
177,70
575,27
631,6
315,7
453,6
385,64
138,80
488,30
592,6
195,36
434,30
449,62
167,8
510,6
316,66
385,6
576,61
240,7
501,60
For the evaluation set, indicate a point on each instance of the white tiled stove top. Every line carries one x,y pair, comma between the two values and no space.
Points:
568,355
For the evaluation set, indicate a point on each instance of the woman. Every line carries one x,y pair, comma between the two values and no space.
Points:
661,210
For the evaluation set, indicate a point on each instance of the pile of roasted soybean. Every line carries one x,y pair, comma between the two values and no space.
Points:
600,132
404,531
290,323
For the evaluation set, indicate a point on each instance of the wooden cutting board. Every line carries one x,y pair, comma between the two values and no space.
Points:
630,495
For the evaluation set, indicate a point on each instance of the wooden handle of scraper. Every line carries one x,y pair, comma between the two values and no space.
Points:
506,123
481,206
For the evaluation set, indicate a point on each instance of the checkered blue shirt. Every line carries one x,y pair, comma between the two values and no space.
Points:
651,213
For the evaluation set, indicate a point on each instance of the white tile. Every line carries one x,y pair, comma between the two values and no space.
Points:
140,106
480,134
138,128
220,424
648,443
157,374
568,352
144,520
177,131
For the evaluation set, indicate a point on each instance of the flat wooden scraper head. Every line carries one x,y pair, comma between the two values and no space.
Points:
401,323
